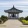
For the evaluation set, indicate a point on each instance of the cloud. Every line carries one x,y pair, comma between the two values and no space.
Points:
13,0
14,3
18,5
22,5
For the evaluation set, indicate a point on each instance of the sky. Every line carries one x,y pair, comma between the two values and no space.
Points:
19,4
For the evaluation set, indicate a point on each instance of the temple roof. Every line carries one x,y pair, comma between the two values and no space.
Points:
13,9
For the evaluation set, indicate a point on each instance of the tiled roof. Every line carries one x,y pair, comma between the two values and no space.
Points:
13,9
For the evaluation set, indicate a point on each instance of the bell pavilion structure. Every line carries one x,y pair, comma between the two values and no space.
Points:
13,13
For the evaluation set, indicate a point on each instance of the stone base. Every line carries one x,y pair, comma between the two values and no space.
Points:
13,18
13,24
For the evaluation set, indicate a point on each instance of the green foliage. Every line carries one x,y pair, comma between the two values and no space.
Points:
4,18
25,22
0,18
21,18
26,18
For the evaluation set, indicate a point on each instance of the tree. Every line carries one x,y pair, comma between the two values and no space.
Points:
4,18
26,18
0,18
21,18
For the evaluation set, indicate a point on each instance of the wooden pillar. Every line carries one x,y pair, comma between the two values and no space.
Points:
8,15
17,15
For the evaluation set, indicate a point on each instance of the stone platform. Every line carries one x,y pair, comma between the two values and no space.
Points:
12,23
